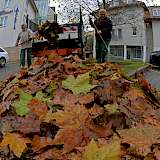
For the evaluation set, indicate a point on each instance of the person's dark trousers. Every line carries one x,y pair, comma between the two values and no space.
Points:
101,50
29,56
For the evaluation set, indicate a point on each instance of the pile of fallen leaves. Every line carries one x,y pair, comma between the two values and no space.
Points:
69,109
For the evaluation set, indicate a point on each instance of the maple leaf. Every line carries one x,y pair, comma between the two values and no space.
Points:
21,104
140,138
42,96
29,124
109,152
40,142
38,107
16,143
75,125
78,85
70,137
64,98
75,117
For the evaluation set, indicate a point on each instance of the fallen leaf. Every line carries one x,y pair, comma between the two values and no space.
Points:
70,137
78,85
21,104
39,143
38,107
30,124
109,152
16,143
111,109
51,154
140,138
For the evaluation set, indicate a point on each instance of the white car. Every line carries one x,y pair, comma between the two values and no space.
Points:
4,57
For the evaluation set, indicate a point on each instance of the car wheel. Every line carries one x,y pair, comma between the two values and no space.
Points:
2,62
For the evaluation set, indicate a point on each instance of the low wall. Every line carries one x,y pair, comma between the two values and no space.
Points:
13,53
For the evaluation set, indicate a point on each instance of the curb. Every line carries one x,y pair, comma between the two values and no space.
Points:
139,70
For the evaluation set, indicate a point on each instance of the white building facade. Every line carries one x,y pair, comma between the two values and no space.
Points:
43,7
129,31
13,13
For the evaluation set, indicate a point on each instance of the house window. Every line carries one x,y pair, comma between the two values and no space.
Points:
7,3
134,31
138,52
156,12
117,51
135,52
3,21
119,33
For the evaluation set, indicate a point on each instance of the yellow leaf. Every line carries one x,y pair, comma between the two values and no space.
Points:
16,143
109,152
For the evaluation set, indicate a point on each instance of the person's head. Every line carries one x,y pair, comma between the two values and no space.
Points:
24,27
102,13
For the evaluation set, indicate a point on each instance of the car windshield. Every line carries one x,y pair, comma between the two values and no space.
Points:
1,50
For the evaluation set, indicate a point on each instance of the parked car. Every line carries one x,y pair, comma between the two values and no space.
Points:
4,57
155,58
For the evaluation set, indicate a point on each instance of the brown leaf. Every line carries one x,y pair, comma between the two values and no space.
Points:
23,72
95,111
9,123
70,137
75,117
76,125
64,98
16,143
4,105
38,107
40,142
141,138
30,124
157,153
51,154
87,98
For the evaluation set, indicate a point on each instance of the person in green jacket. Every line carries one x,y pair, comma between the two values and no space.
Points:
103,28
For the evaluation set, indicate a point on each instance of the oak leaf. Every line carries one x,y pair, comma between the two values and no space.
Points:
16,143
78,85
109,152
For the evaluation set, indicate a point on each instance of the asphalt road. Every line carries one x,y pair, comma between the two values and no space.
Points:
153,76
10,69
